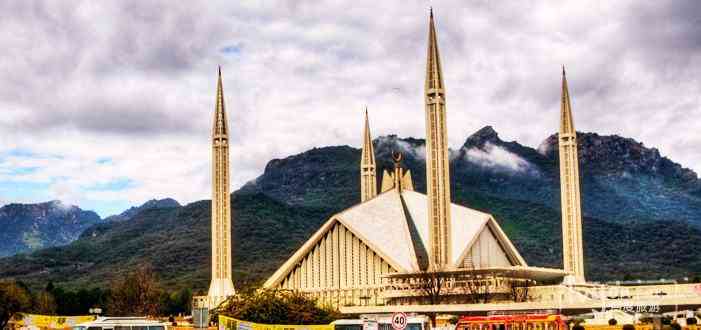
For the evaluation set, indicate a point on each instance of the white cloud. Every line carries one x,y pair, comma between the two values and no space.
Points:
418,152
492,156
134,81
544,148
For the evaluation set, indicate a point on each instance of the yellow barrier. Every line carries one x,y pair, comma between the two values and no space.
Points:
229,323
24,320
616,327
637,327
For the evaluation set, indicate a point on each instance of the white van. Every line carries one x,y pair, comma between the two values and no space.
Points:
122,323
380,322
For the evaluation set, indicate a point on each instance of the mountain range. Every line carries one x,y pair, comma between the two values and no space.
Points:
29,227
642,213
129,213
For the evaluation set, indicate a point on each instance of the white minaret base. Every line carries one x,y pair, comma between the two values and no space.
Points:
219,290
569,280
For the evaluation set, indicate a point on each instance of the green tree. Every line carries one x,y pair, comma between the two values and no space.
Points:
277,307
78,302
178,302
135,294
182,301
13,299
45,303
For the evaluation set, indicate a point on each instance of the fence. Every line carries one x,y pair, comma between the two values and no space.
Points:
617,327
229,323
637,327
34,321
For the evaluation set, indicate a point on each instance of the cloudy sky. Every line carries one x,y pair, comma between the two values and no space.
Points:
109,105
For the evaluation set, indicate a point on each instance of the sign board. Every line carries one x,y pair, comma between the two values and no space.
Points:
244,326
399,321
200,317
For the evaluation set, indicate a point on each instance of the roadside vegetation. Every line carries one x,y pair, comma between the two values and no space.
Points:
137,293
277,307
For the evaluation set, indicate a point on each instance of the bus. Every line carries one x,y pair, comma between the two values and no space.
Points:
513,322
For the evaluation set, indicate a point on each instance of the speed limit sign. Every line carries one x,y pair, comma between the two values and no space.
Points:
399,321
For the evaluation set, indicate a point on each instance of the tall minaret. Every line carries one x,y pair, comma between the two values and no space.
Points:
437,167
221,285
572,251
368,176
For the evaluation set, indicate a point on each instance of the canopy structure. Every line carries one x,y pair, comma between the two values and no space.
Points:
538,274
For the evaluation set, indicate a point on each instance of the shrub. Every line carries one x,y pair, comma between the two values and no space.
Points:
13,299
277,307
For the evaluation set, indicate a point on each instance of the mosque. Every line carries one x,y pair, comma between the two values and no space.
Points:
401,250
396,247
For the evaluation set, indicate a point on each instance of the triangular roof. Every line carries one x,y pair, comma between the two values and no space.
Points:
395,226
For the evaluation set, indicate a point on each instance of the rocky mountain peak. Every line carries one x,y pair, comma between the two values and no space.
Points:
483,136
160,203
616,155
151,204
42,210
32,226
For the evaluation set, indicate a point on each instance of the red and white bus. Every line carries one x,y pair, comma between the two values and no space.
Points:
513,322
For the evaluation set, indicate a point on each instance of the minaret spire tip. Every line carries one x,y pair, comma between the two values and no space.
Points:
430,11
368,175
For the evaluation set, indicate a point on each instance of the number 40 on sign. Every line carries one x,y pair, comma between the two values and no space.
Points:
399,321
